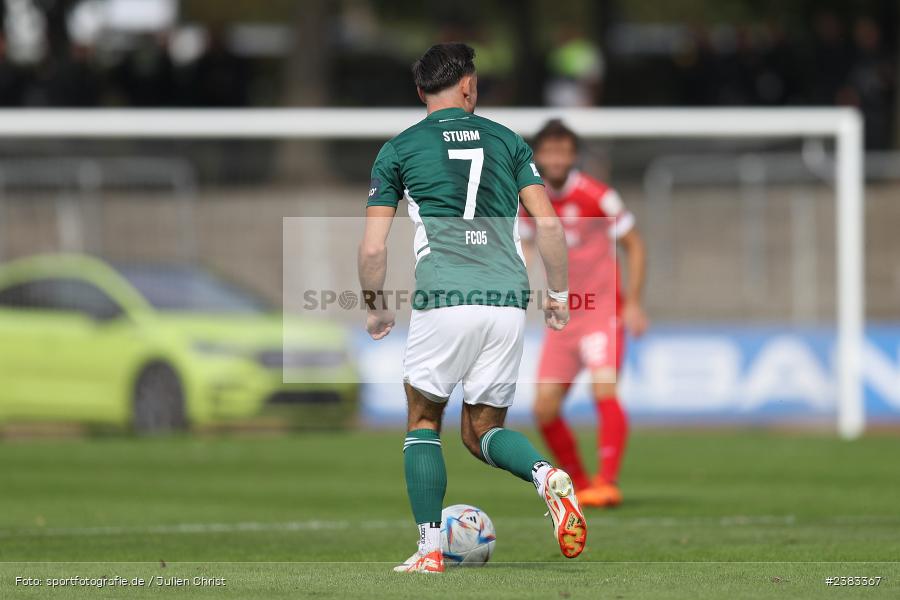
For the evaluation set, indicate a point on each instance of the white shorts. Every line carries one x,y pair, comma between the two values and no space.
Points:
480,346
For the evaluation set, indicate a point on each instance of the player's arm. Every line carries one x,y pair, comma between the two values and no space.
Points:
626,234
636,259
384,194
550,240
372,265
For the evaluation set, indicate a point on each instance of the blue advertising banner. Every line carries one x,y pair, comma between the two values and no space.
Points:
680,375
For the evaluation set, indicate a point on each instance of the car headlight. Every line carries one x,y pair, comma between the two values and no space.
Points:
216,349
299,359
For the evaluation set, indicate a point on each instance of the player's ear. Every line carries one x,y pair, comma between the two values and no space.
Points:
421,94
468,85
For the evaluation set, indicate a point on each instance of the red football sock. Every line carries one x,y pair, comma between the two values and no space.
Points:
612,431
559,439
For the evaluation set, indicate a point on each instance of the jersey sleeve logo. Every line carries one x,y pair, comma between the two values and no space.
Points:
534,169
611,203
373,187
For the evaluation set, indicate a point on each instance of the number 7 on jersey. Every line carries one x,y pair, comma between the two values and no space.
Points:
476,155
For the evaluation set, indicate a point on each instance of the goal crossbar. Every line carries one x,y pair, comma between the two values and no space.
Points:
844,125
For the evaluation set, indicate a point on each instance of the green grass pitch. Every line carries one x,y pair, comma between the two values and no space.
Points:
708,514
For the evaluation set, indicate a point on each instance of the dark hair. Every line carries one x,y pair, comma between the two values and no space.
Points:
443,65
554,128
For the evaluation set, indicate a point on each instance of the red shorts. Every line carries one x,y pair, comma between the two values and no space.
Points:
597,345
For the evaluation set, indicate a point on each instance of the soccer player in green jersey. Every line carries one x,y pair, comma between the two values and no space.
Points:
462,177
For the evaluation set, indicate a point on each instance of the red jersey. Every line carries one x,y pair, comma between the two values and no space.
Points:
593,217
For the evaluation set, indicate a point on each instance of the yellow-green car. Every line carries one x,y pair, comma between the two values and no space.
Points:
160,347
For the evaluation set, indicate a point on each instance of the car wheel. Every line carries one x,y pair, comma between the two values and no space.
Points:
158,400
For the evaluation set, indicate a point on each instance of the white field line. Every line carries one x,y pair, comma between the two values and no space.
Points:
182,528
369,524
320,525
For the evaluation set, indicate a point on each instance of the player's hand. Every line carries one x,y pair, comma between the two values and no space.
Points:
379,323
635,318
556,314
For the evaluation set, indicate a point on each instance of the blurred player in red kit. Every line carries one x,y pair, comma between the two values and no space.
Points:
595,221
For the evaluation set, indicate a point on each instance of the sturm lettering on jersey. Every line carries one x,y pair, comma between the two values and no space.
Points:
462,136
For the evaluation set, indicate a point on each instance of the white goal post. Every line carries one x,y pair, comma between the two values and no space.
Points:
844,125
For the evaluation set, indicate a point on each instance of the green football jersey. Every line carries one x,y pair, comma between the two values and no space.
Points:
460,175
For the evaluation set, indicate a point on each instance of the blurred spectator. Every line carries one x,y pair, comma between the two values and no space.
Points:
69,80
814,57
219,78
776,72
146,76
576,70
830,58
12,79
869,82
697,61
736,66
744,67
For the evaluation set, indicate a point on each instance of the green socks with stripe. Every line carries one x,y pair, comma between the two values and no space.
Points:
426,474
510,450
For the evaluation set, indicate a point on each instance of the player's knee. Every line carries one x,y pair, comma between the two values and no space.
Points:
545,410
604,390
548,402
544,414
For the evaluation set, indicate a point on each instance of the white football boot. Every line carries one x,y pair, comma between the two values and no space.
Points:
431,562
569,525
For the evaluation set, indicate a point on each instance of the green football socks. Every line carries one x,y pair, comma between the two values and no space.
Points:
426,474
510,450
